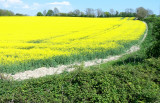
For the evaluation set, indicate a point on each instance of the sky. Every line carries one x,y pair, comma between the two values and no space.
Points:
31,7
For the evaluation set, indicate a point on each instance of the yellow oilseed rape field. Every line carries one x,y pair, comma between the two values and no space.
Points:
31,42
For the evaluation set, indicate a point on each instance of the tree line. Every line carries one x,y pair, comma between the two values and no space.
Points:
140,13
10,13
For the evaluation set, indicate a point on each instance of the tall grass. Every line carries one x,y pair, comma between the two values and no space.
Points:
64,60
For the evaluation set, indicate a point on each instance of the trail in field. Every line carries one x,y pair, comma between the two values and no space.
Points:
41,72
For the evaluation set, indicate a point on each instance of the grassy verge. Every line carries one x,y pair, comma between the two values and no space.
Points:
134,79
64,60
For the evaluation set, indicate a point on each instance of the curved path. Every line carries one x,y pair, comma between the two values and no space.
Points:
41,72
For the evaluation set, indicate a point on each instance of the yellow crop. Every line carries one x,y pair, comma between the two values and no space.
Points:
23,39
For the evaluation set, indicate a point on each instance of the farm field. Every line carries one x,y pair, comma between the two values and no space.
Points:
27,43
78,51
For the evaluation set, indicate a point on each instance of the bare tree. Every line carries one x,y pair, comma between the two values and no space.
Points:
100,13
90,12
44,12
141,13
112,12
150,12
127,10
131,10
56,11
77,12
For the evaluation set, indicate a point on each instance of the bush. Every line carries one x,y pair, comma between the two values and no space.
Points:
156,30
126,83
154,49
151,19
39,14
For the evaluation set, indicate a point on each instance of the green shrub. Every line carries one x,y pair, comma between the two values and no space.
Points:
156,30
154,50
126,83
151,19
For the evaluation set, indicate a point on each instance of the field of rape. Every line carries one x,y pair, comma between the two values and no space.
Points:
27,43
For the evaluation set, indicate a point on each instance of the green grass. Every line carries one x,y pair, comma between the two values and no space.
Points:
64,60
133,79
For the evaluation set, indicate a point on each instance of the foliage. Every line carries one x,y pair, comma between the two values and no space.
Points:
6,13
18,14
39,14
50,13
126,83
151,19
9,13
156,29
154,49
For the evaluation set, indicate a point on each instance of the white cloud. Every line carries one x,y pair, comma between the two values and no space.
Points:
63,6
2,0
61,3
26,7
18,6
14,1
9,3
36,4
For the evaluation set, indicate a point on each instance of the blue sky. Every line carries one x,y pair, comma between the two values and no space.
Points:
31,7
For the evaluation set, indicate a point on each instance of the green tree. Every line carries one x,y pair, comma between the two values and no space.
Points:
6,13
18,14
107,14
117,13
50,13
39,14
62,14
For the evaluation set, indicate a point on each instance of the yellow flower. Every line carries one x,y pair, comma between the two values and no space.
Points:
32,38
